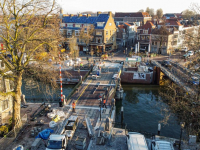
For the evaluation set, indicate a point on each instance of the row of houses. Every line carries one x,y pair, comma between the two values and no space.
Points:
127,29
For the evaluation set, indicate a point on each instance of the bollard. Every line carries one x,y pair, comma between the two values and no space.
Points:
81,79
159,128
122,115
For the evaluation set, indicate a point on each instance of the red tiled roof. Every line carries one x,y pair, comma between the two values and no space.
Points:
172,22
148,26
132,14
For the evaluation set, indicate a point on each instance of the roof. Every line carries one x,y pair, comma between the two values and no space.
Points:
171,22
164,145
132,14
170,15
86,20
148,26
56,137
137,141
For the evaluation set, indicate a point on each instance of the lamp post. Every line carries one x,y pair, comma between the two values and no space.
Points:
182,126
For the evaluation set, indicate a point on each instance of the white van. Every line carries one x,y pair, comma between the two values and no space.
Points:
161,145
136,141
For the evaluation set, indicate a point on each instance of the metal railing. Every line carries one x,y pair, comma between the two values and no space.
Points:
173,78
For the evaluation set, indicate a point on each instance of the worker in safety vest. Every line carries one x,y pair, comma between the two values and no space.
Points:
104,102
73,106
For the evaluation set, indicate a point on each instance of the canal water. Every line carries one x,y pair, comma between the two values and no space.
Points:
143,109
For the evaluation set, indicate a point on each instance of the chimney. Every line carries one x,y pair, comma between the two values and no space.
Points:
98,13
71,15
110,13
88,15
79,15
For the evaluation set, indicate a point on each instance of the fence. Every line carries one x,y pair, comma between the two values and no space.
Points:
10,136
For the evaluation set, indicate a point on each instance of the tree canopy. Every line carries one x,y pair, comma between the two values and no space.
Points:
28,28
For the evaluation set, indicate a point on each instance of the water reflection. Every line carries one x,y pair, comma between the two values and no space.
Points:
143,110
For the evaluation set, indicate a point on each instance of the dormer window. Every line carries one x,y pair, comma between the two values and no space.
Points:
100,24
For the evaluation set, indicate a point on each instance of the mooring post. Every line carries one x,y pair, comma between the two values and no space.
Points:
159,128
122,115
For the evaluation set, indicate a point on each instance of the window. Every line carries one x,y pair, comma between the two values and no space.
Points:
69,25
143,37
4,105
113,39
117,30
69,32
110,24
77,25
11,85
147,37
76,32
100,24
106,32
106,39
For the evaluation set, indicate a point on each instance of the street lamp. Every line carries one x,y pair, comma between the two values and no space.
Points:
182,127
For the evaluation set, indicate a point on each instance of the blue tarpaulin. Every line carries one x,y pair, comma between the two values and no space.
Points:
44,134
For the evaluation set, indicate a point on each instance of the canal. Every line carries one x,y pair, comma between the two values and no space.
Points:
143,109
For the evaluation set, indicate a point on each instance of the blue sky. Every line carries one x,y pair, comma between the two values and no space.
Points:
168,6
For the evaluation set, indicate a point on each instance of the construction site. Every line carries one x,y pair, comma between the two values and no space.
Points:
86,128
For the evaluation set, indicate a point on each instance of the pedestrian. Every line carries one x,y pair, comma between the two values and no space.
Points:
73,106
104,102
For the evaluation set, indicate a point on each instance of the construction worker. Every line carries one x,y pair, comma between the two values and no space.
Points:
73,106
104,102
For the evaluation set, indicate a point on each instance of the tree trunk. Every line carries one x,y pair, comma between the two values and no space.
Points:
16,120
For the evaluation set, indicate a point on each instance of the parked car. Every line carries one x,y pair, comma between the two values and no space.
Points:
166,63
190,53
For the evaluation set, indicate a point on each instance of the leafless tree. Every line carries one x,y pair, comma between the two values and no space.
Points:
159,13
27,28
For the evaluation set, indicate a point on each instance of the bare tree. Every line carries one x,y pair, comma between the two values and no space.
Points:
160,36
141,10
73,47
27,26
159,13
86,35
187,14
150,11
